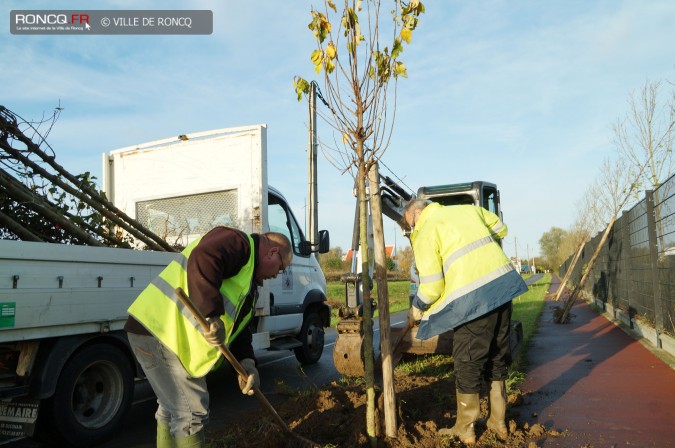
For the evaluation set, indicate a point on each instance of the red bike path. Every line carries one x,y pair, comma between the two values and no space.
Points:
595,383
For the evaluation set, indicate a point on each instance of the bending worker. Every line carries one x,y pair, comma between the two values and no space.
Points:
220,272
466,284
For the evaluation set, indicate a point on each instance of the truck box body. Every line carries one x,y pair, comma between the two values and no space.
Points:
50,290
181,188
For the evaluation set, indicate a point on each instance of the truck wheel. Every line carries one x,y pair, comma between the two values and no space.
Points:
311,336
93,395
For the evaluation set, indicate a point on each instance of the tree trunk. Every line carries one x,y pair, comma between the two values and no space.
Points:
21,193
570,268
383,303
568,305
20,231
371,427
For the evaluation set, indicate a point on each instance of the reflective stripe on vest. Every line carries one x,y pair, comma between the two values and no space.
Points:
161,312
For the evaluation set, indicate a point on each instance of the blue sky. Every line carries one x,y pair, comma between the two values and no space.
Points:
519,93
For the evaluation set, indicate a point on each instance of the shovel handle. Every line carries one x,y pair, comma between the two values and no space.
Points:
406,328
230,358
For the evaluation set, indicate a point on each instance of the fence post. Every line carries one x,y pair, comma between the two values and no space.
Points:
653,261
628,261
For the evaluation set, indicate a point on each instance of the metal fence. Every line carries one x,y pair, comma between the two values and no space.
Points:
635,271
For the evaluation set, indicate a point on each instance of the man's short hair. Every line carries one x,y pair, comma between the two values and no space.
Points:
413,206
276,239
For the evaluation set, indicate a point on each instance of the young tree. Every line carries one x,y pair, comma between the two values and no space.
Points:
644,144
586,223
357,73
41,201
613,189
644,137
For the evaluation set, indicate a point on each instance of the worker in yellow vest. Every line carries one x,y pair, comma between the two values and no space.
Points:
220,272
466,284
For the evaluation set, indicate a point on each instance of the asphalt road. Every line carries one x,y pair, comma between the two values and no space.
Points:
279,373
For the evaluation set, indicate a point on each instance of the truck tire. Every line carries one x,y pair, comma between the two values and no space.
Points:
93,395
312,338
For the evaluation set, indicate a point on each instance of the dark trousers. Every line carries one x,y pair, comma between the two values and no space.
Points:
481,350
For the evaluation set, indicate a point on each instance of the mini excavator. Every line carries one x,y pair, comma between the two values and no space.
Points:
348,353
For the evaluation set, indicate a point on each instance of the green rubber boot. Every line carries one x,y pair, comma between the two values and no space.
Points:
164,438
194,441
497,414
468,410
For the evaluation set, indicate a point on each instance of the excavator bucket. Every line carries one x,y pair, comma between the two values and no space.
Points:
408,343
348,355
441,344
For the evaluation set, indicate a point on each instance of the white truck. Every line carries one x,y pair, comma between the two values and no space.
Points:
65,364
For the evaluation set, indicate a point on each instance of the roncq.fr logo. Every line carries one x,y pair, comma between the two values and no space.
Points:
51,19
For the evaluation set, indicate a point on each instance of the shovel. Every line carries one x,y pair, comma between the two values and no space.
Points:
240,370
396,352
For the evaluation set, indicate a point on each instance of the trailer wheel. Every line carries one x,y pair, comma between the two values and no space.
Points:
312,338
93,394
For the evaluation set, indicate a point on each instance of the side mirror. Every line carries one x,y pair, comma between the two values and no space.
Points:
324,241
306,248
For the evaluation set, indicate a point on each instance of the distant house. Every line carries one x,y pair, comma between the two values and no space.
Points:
390,252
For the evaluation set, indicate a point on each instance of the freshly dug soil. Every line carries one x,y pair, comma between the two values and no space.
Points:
335,416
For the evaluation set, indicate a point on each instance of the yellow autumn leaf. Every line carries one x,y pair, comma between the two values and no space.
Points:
406,35
317,60
300,85
325,24
316,56
400,69
330,51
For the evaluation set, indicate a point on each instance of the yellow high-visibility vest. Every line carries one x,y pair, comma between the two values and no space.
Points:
161,312
463,272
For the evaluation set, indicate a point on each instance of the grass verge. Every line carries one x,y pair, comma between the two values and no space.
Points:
397,292
527,308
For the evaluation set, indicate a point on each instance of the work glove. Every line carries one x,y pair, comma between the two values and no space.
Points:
216,332
246,384
414,315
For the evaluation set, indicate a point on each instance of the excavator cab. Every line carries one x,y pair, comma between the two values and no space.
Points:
479,193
